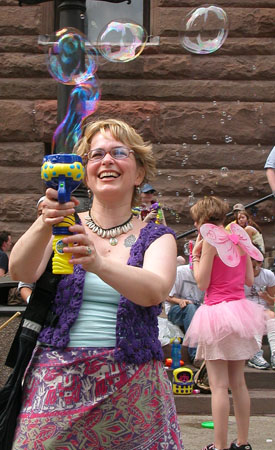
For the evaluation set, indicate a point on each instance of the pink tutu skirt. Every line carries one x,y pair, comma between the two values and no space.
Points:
226,330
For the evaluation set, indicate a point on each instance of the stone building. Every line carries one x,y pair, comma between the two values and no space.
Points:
210,117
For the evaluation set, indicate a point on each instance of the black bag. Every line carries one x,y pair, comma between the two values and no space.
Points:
201,379
36,315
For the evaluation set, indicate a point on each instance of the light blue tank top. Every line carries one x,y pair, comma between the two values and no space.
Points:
96,322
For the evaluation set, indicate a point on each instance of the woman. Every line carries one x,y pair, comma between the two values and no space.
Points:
252,229
224,327
149,207
97,380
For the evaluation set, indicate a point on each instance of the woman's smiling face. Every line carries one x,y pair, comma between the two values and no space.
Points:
110,175
242,220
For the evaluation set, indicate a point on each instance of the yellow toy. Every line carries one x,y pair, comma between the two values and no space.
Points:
183,382
63,172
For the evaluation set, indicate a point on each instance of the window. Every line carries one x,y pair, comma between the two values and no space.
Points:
99,13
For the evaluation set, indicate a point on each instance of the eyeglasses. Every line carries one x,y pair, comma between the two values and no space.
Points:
117,153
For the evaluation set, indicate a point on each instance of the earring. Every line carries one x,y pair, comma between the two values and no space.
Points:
89,193
137,189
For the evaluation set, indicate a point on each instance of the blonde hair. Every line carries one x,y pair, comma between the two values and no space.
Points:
124,133
209,210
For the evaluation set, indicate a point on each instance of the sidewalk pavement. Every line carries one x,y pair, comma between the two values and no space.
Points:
195,437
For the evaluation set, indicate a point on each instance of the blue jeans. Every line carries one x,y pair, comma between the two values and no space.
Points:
182,317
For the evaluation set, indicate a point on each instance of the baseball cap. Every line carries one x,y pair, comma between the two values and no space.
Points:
238,207
147,188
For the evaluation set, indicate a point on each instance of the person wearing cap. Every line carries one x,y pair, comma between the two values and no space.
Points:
236,209
270,169
147,213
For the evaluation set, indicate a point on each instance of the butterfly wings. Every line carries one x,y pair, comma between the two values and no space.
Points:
225,247
226,244
245,242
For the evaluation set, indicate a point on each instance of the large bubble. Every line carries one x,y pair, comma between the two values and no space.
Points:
204,29
70,57
83,101
121,40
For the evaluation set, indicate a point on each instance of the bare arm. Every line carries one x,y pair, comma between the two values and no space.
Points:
268,295
270,173
32,251
203,264
2,272
249,275
182,302
146,286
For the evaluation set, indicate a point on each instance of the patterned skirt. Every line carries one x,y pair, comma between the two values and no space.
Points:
81,398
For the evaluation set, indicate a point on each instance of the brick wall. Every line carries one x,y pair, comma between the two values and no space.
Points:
186,104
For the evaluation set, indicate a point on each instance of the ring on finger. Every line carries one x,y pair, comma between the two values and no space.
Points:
88,250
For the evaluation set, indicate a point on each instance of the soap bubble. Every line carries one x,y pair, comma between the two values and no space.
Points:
204,29
70,57
121,40
83,101
224,171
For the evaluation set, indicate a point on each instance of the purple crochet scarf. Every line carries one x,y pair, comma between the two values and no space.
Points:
137,326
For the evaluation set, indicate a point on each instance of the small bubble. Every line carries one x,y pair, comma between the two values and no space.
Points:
34,130
184,145
159,172
183,163
228,139
251,171
194,137
222,121
259,144
196,181
261,121
202,116
214,103
33,111
177,194
211,192
82,16
191,200
169,177
224,171
265,219
148,118
159,194
211,172
250,188
229,117
253,67
208,143
186,157
224,113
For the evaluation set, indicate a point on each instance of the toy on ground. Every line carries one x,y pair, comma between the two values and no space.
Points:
63,172
183,382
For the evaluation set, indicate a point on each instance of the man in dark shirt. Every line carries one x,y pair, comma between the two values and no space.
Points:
5,246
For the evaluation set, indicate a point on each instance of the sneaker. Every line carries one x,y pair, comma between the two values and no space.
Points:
234,446
272,361
258,362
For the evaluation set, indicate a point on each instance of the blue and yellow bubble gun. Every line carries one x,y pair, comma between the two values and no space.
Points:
63,172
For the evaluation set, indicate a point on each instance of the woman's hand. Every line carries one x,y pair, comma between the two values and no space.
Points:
150,216
82,249
54,212
196,253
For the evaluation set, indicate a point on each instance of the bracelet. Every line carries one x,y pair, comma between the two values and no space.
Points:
195,258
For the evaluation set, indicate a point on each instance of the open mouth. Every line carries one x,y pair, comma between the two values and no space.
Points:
108,174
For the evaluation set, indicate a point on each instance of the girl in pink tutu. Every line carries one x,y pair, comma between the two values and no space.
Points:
223,328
